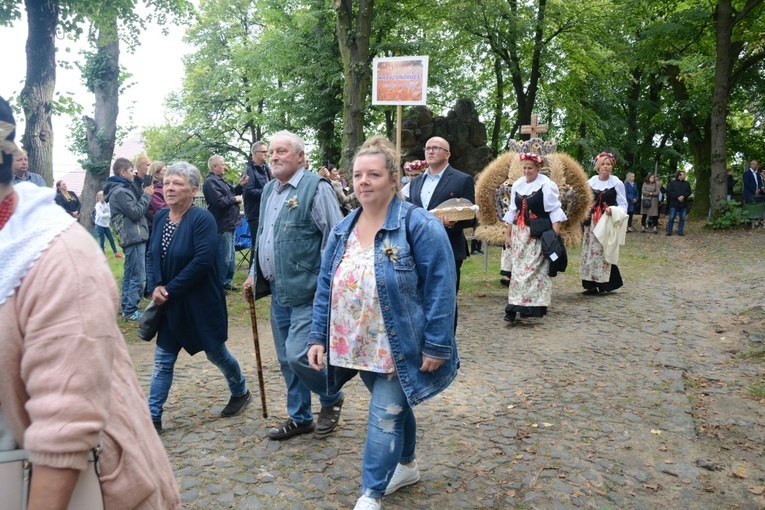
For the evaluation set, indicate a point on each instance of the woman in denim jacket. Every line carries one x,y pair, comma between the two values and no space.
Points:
384,308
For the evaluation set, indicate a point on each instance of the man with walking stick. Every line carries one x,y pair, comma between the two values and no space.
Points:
297,212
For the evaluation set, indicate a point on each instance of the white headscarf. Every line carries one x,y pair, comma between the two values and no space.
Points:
35,223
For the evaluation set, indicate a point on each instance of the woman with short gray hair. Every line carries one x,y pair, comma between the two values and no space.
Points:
187,170
183,278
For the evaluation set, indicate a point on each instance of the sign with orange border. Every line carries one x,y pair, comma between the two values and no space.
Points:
400,80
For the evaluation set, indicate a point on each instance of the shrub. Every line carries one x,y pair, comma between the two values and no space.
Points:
729,215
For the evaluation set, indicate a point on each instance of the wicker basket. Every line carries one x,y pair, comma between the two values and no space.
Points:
456,209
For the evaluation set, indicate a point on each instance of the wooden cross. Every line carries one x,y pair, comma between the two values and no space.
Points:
534,129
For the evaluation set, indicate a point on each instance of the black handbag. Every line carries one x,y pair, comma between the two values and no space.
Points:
148,324
647,203
539,226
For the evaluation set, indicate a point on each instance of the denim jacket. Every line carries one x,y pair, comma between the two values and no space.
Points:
416,286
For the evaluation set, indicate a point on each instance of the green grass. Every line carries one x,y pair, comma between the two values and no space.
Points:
238,308
753,355
473,279
758,391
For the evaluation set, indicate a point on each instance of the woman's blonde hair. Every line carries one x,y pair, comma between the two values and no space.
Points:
378,145
155,167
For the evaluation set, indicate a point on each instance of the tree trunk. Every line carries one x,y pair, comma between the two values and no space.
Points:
525,97
37,94
724,64
353,33
101,131
701,150
697,129
499,106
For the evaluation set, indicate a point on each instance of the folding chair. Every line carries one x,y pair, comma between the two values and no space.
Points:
243,243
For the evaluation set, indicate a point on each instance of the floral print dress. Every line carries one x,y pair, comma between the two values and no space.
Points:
594,267
530,283
357,335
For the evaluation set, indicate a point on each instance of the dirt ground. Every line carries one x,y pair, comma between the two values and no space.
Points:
649,397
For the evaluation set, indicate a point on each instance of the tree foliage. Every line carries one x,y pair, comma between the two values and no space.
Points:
663,85
259,67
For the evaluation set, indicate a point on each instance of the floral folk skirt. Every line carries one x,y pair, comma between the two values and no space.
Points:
530,283
595,272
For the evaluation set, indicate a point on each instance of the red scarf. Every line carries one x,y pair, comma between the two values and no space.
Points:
598,208
6,209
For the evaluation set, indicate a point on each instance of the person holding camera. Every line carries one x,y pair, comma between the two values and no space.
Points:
258,174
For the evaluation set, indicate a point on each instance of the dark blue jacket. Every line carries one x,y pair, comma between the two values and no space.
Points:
195,316
752,182
453,184
630,189
253,190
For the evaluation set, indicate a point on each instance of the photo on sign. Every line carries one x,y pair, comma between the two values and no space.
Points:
400,80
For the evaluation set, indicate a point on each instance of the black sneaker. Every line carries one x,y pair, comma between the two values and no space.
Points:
290,429
157,425
236,405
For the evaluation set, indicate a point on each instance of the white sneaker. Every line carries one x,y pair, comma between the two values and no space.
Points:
402,477
367,503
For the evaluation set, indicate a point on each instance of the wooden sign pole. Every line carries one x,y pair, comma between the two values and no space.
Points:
399,110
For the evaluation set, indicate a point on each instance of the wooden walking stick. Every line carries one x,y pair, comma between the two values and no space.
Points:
251,300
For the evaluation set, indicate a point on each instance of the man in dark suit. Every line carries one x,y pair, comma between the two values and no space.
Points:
438,184
752,182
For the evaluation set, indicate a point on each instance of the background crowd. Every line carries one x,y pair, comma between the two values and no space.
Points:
336,258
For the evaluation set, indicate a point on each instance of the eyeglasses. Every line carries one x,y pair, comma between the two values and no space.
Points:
435,149
261,152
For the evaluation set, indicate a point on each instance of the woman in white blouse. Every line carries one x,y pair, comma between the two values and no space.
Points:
103,226
597,274
533,198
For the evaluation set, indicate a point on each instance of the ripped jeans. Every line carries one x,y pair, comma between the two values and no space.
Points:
391,432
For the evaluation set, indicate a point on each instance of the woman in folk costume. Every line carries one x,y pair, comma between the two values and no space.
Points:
532,196
597,272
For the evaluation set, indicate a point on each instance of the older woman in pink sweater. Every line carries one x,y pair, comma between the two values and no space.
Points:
66,379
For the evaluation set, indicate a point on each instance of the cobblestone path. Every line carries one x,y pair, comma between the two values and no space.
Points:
637,399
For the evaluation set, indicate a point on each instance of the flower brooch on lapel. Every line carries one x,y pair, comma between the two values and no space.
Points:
390,250
292,202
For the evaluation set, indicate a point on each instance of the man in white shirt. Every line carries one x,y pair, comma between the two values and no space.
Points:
438,184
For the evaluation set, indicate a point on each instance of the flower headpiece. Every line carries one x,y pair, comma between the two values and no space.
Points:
415,165
534,150
605,155
532,157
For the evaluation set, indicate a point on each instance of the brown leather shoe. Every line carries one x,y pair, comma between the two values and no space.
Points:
290,429
328,418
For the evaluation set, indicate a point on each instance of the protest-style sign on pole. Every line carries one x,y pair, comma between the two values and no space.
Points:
400,81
